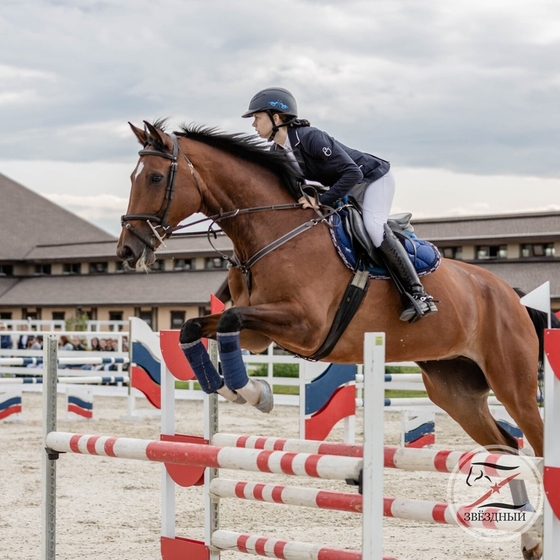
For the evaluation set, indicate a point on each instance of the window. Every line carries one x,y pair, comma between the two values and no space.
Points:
146,315
98,267
452,253
203,311
158,265
42,269
484,252
115,315
183,264
72,268
215,262
58,315
6,270
6,316
543,250
177,319
30,314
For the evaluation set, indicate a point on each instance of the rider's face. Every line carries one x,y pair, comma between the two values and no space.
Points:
262,125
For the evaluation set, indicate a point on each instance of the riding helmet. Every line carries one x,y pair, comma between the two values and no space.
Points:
273,99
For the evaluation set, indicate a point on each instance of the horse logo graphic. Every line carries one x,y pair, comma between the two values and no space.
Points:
278,105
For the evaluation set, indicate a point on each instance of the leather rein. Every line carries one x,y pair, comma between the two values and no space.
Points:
159,220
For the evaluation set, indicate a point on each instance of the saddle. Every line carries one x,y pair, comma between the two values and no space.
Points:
362,244
357,251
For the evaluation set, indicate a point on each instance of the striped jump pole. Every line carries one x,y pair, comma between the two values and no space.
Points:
199,455
277,548
76,380
402,458
78,361
499,519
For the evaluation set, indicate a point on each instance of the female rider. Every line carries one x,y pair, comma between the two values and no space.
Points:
345,171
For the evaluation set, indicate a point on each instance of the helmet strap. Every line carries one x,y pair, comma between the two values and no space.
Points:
276,127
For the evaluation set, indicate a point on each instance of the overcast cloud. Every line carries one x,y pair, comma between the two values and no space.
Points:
461,98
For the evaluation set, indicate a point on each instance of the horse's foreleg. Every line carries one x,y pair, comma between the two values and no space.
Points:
256,392
207,375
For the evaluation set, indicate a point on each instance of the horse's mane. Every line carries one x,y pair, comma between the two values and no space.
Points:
247,148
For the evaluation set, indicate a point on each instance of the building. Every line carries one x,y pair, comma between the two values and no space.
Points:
55,265
523,249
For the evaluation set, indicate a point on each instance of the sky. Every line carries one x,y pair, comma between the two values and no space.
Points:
463,98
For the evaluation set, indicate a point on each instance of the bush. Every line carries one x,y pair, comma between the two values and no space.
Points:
280,370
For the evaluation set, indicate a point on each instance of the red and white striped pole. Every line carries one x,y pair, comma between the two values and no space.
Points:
278,462
431,460
277,548
401,508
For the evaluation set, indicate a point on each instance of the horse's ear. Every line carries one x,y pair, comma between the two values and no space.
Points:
155,134
139,133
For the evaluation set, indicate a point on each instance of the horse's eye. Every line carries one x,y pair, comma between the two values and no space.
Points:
156,178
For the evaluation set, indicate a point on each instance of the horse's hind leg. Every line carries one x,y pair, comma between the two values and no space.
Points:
459,387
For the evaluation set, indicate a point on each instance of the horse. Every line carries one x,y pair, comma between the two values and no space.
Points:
288,289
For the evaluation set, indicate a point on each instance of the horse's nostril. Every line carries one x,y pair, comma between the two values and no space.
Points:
125,253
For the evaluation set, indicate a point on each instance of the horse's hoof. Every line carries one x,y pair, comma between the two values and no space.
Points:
239,399
533,554
266,402
532,547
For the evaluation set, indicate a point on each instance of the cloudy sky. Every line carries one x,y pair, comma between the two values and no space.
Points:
462,98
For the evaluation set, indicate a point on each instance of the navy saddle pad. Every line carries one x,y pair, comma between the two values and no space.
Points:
424,256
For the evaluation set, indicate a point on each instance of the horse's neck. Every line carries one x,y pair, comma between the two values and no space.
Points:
235,187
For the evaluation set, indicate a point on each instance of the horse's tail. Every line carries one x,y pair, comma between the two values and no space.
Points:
540,322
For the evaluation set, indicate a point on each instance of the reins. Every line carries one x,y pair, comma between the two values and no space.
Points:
159,219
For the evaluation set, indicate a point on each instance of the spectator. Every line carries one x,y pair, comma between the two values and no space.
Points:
22,342
95,346
77,343
5,339
37,343
65,343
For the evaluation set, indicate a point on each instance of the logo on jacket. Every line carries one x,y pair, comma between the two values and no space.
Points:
327,151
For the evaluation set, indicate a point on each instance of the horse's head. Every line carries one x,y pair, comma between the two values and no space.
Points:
154,208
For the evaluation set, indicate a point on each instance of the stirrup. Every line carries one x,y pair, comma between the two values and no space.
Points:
413,311
420,305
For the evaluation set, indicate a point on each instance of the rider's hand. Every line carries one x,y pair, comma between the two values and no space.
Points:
308,203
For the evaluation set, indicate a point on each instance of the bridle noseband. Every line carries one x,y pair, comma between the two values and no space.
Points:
160,218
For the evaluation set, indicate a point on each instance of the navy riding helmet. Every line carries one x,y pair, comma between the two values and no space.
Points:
273,99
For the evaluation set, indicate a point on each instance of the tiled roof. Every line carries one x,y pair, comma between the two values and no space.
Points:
513,226
28,219
158,288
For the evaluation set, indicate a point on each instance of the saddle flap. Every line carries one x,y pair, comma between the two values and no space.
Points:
355,229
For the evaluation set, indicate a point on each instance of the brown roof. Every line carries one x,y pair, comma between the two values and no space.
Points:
533,226
159,288
28,219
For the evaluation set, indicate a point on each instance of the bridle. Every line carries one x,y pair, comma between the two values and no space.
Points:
160,218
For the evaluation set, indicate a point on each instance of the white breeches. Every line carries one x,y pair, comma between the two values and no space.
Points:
376,207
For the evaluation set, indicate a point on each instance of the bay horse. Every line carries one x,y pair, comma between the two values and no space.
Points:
481,339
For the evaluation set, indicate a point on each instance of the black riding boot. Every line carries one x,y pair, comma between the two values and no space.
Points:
416,302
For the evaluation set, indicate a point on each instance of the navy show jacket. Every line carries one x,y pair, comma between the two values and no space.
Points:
326,160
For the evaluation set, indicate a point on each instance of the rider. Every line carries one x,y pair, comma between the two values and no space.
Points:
346,171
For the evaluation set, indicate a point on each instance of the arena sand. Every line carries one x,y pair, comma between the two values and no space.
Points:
110,508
